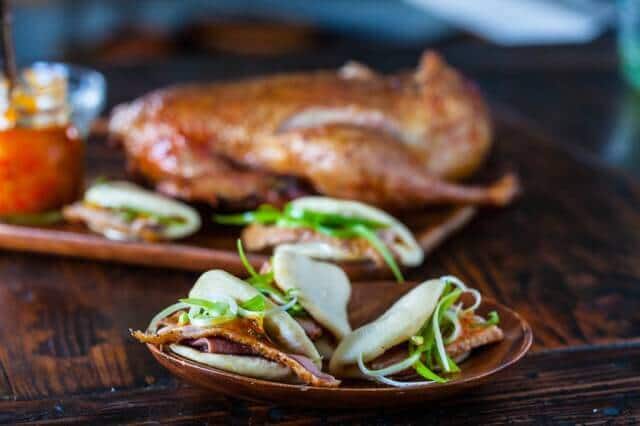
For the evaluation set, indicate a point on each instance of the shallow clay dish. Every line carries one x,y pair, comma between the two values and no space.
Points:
369,300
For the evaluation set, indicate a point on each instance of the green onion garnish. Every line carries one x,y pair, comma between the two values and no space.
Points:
377,244
263,283
492,318
265,214
211,308
452,365
427,350
129,214
443,304
427,373
417,340
255,304
331,224
243,258
183,319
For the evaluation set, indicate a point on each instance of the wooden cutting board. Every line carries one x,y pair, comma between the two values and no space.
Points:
212,247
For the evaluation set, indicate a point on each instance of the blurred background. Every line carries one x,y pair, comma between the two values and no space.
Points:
125,30
558,62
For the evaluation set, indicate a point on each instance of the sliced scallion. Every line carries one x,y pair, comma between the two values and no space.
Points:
212,308
253,308
425,372
334,225
452,316
262,283
450,279
444,303
381,248
255,304
286,307
400,384
183,319
153,325
493,318
392,369
427,352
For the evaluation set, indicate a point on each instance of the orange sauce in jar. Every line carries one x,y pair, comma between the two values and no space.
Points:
41,153
41,169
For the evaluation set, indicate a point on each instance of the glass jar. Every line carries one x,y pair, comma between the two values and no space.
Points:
41,152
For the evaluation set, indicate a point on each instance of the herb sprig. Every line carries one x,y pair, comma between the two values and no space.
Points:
264,284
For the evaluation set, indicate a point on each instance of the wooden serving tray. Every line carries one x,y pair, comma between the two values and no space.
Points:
212,247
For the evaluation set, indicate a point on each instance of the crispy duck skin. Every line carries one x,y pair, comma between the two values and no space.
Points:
473,336
243,333
393,141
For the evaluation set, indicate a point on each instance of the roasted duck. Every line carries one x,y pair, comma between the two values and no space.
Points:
392,141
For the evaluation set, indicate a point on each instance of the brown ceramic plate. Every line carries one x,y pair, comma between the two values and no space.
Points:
369,300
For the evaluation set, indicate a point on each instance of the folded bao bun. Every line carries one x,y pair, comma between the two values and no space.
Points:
279,326
119,194
405,246
397,325
249,366
323,288
320,250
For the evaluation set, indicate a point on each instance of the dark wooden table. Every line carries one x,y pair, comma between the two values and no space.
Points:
566,256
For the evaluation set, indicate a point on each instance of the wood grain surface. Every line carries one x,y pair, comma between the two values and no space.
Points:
64,322
545,388
565,257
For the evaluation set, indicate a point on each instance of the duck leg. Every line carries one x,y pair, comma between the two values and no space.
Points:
357,162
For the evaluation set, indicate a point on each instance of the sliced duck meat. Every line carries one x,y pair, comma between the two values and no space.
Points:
311,327
244,332
313,369
257,237
473,335
392,356
217,345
